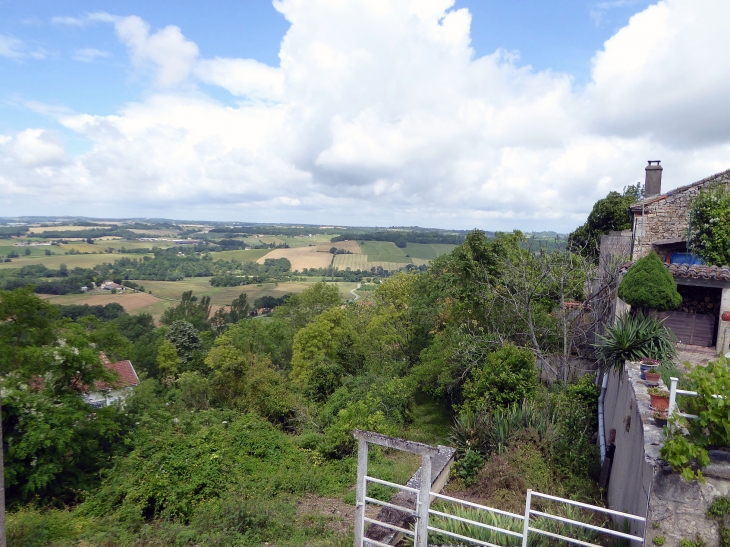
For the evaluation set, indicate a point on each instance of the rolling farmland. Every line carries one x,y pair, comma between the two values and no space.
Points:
72,261
428,251
383,251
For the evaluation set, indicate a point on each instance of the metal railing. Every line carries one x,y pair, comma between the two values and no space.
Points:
674,391
367,499
423,510
529,511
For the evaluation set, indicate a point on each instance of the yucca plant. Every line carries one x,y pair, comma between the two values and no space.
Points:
633,338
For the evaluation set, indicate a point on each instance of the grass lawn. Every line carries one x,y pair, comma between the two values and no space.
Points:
384,251
428,251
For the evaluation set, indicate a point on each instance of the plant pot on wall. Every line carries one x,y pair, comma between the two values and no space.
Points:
726,316
659,399
652,378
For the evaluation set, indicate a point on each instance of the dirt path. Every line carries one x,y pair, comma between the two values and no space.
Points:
353,293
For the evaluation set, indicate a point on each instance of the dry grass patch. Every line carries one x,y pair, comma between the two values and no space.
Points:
132,301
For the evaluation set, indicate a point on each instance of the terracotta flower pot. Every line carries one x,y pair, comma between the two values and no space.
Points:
726,316
652,377
659,402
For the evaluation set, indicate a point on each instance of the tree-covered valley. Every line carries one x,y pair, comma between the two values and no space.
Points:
240,432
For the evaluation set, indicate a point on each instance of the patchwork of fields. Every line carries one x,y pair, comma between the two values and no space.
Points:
71,261
301,257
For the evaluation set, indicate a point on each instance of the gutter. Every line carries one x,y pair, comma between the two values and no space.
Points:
601,432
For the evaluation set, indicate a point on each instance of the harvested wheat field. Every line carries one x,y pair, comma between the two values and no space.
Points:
300,257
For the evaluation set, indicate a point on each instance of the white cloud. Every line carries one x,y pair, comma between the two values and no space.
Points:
38,148
380,113
14,48
89,54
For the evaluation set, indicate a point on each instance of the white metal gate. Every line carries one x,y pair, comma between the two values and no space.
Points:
423,509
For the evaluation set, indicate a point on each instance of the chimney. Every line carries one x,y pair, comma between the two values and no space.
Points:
653,182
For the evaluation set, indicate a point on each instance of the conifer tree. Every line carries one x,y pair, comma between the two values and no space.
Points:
649,285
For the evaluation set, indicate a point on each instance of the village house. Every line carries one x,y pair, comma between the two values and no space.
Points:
661,223
105,394
109,285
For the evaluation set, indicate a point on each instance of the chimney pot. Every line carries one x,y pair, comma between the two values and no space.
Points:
653,182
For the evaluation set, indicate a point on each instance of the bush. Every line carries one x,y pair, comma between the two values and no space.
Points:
507,377
649,285
710,228
633,338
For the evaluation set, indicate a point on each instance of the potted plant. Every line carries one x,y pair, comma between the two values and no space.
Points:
661,417
659,398
652,378
648,365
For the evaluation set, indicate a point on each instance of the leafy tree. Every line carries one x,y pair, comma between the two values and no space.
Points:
168,361
185,339
608,214
507,376
302,308
189,309
317,360
710,225
239,308
649,285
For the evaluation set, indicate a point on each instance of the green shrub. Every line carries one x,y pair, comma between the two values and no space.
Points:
710,227
507,376
632,338
649,285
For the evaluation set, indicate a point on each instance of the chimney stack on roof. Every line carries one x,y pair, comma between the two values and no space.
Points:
653,181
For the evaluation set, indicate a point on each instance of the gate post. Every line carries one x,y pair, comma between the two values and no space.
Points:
525,529
424,502
360,490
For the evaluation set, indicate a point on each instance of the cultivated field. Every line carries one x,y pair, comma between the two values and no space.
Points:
428,251
161,233
133,302
72,261
134,244
242,256
421,262
222,296
300,257
384,251
41,229
351,246
361,262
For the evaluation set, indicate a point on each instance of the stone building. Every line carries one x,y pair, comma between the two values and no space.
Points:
660,222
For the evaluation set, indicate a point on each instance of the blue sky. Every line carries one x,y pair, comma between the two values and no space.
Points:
493,114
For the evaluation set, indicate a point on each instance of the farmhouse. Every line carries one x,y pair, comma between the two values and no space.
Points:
661,223
109,285
105,394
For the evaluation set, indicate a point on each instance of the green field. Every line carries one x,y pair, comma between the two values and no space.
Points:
428,251
383,251
361,262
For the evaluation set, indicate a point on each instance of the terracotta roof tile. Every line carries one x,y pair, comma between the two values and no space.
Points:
700,271
127,375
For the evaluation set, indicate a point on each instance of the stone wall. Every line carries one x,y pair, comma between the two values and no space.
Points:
640,482
667,217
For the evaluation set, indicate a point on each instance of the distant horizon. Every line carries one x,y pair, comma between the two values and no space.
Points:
449,113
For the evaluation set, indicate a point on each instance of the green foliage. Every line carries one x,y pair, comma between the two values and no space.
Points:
608,214
649,285
364,414
710,428
633,338
185,339
189,310
710,225
696,542
719,510
507,376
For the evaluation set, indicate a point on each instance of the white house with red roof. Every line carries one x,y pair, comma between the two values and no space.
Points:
105,393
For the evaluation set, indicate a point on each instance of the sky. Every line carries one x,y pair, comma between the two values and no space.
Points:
487,114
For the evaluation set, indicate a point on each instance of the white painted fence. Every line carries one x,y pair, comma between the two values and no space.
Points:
423,510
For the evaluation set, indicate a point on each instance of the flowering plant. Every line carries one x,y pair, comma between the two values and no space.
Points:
650,362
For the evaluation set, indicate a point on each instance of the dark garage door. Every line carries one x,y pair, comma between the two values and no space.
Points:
691,328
